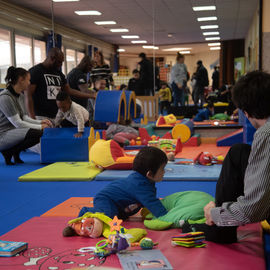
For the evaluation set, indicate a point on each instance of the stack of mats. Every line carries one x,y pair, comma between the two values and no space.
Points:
48,249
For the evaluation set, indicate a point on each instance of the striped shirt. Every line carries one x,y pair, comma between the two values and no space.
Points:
254,205
103,72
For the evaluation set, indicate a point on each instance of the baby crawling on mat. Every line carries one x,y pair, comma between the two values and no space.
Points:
125,197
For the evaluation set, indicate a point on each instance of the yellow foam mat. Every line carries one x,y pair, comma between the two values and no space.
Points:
63,171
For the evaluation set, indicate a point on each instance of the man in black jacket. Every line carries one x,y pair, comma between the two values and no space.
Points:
201,82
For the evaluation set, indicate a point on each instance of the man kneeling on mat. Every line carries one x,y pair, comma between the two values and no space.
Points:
125,197
243,187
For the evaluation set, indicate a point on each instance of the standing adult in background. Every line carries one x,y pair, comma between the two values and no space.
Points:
46,81
135,84
101,70
77,79
201,82
17,130
215,79
146,75
179,80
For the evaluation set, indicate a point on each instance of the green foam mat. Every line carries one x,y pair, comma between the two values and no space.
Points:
63,171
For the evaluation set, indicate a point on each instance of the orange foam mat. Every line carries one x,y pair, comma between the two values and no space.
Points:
69,208
191,152
48,249
72,206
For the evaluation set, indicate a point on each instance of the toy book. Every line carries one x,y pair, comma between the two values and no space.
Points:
144,259
11,248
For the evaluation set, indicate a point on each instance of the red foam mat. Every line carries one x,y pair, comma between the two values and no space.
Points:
191,152
49,250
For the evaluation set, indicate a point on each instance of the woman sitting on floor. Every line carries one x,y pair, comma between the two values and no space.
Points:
17,131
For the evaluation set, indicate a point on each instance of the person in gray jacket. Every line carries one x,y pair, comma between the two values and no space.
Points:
17,130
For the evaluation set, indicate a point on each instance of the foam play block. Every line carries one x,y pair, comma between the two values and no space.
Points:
173,172
70,207
48,249
195,140
179,172
231,138
59,144
63,171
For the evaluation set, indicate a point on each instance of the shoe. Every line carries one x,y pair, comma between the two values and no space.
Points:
16,158
222,235
7,156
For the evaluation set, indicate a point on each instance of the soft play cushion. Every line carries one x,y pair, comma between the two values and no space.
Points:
181,207
109,155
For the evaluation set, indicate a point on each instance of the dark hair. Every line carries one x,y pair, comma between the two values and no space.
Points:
163,83
101,57
122,86
142,55
210,104
86,63
179,56
199,62
13,75
62,96
149,159
252,94
135,71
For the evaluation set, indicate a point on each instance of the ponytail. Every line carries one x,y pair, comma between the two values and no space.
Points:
13,75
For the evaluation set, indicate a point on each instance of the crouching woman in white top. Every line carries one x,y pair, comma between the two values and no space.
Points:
17,131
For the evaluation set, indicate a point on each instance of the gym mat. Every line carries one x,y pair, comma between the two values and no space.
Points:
63,171
70,207
48,249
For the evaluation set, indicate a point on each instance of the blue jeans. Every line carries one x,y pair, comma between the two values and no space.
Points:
178,95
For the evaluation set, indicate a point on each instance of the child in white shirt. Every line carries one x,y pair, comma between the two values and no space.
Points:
72,112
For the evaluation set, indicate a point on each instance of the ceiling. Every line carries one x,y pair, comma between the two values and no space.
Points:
141,17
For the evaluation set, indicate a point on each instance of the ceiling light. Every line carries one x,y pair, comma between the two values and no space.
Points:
215,48
210,33
66,0
20,19
121,50
175,49
203,8
184,52
138,41
214,44
204,19
212,38
104,22
130,36
119,30
150,47
87,12
170,35
209,26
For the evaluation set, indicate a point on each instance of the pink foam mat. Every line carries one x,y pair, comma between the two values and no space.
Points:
48,249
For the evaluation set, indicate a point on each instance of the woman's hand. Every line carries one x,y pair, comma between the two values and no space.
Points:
47,122
207,213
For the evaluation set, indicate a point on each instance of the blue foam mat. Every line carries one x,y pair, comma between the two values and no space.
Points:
173,172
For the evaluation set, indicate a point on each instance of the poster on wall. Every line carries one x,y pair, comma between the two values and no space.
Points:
239,68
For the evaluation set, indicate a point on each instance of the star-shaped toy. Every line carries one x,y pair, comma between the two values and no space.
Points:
115,224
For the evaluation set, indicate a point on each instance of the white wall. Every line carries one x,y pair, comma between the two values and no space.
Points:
208,58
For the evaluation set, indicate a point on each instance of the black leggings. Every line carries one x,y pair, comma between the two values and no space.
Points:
230,184
31,138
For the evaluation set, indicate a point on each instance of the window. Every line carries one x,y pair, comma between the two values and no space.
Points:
70,58
39,51
23,51
80,56
5,59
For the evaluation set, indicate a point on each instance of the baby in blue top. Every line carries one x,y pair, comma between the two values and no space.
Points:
125,197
